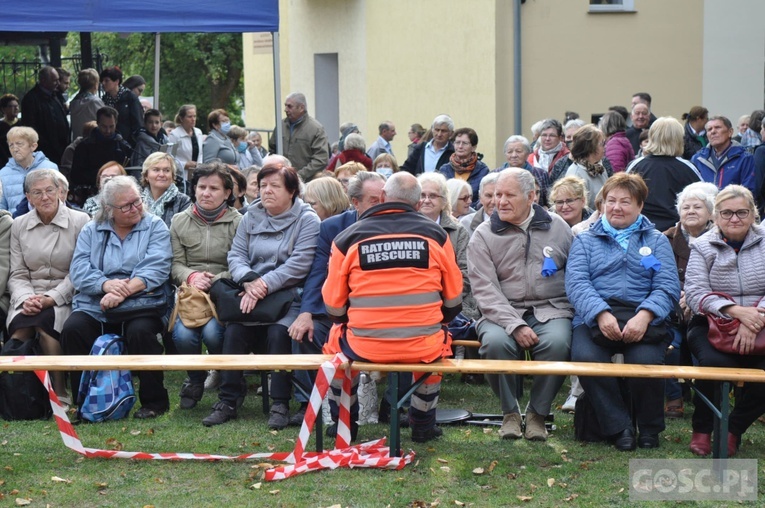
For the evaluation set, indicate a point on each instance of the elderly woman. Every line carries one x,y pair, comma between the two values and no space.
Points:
695,134
665,172
385,164
587,155
621,278
201,237
460,196
344,173
160,195
273,250
483,214
354,149
517,151
130,117
550,148
217,145
326,196
105,173
569,200
465,163
618,148
42,246
569,129
728,259
22,142
188,138
122,252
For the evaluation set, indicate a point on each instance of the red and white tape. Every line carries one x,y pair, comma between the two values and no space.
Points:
372,454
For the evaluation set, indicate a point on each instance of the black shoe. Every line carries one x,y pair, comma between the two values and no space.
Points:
296,420
222,413
332,430
473,379
279,416
145,413
191,394
420,435
648,440
624,440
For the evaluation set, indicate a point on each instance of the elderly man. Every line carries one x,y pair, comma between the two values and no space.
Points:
402,322
516,264
304,141
721,162
381,145
428,157
517,152
641,120
44,112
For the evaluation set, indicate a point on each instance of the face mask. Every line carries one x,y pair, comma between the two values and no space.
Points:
386,172
242,147
225,127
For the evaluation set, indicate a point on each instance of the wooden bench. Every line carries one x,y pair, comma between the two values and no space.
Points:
726,376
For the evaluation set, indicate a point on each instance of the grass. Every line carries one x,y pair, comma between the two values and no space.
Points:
558,472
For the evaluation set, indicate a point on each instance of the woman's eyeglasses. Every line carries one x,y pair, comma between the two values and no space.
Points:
728,214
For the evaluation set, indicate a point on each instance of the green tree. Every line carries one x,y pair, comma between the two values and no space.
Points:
195,68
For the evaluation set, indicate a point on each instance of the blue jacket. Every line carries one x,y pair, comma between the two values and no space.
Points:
599,269
474,179
737,167
12,177
329,229
145,253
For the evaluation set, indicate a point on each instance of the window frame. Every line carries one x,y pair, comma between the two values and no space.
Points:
624,6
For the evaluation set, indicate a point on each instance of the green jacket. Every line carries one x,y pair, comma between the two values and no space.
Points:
201,247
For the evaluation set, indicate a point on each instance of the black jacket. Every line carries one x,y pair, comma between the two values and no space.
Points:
45,114
94,152
415,163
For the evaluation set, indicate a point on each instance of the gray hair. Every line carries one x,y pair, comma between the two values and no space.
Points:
443,120
489,179
64,183
402,187
703,191
455,187
354,141
276,159
356,185
524,178
299,98
518,139
577,122
40,174
115,186
552,123
440,182
536,127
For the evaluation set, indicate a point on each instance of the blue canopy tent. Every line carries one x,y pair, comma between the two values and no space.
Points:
151,16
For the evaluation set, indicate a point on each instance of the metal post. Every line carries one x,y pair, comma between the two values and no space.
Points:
277,94
156,70
517,96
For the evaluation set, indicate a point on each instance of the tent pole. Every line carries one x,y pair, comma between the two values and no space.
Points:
277,94
156,70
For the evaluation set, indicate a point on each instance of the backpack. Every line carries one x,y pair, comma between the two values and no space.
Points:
106,394
22,395
586,426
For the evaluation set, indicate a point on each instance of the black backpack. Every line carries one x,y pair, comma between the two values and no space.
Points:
22,395
586,426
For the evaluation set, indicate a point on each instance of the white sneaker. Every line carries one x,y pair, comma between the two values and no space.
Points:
570,405
213,380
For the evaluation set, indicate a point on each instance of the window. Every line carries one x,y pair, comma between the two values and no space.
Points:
612,5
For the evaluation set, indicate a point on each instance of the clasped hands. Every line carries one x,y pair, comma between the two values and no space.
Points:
253,291
35,304
633,331
753,321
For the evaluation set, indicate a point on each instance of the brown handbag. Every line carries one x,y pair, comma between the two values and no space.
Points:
194,307
722,330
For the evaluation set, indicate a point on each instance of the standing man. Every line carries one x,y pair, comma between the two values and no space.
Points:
42,110
723,163
382,144
403,322
304,140
428,157
641,121
516,264
62,90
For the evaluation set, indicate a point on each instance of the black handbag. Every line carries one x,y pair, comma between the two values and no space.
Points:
623,312
226,295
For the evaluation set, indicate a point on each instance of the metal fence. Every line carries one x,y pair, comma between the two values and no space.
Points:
18,77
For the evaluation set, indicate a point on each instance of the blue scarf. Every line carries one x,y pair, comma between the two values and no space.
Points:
622,236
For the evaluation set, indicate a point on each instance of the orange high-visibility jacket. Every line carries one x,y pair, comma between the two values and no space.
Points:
394,280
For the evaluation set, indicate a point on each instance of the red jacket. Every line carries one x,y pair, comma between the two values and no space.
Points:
352,155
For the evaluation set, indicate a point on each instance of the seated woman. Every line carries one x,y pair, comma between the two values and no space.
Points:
6,221
121,252
354,149
345,172
273,249
217,145
160,195
22,142
149,138
460,196
622,266
105,173
465,163
385,164
252,193
201,236
248,152
729,259
569,200
42,246
240,188
587,155
326,196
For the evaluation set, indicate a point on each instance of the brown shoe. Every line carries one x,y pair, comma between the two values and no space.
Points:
511,426
674,409
535,427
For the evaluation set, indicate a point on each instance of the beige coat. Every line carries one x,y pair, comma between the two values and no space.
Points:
40,258
6,221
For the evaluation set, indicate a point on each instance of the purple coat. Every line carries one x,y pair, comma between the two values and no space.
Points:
619,151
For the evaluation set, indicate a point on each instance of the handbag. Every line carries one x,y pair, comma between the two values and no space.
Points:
226,295
193,306
624,311
722,330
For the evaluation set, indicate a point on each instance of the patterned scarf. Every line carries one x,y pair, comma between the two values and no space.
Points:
463,164
593,170
158,207
545,157
112,101
622,236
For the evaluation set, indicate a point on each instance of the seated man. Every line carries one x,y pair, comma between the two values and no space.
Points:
402,322
516,263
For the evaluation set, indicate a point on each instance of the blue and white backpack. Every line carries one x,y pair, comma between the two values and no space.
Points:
106,394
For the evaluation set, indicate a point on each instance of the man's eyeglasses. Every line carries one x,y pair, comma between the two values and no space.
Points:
728,214
126,208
